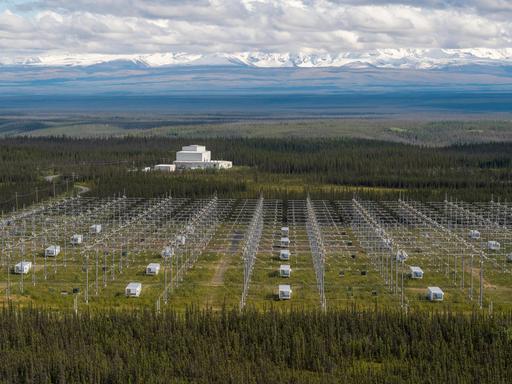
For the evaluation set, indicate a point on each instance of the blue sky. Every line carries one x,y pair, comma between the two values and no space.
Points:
49,27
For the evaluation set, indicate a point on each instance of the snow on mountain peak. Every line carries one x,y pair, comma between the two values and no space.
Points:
413,58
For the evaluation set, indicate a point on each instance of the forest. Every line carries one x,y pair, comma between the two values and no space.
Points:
350,345
202,346
277,167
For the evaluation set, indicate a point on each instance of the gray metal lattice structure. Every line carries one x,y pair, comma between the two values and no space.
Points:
317,250
250,249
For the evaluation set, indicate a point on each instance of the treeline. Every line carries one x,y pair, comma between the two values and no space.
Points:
345,346
280,168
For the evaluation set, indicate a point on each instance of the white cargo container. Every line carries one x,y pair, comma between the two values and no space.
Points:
152,269
23,267
284,254
95,228
52,251
285,270
435,294
133,289
416,272
285,292
474,234
493,245
77,239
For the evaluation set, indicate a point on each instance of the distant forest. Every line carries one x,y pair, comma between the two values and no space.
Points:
346,346
279,168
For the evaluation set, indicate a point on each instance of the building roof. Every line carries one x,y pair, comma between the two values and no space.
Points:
284,287
153,265
134,285
193,148
285,266
416,269
23,263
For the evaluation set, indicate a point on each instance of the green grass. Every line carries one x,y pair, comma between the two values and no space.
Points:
345,285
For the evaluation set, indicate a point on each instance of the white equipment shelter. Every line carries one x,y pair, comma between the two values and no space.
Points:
95,228
285,270
284,254
152,269
52,251
435,294
23,267
77,239
133,289
285,292
401,256
416,272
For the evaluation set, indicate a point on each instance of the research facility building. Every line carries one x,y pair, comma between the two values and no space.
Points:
197,157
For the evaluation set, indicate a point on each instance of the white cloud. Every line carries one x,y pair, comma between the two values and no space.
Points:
205,26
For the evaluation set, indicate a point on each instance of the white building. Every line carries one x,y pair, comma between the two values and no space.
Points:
285,242
197,157
285,292
284,254
133,289
285,231
52,251
152,269
435,294
165,167
416,272
474,234
95,228
493,245
285,270
23,267
77,239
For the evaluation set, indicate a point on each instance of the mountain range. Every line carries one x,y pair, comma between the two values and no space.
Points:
402,58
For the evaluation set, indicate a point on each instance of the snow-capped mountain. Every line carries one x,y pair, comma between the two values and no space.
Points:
382,58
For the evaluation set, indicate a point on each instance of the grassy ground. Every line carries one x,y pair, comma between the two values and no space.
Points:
217,280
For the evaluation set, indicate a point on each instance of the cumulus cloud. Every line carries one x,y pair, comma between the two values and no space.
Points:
203,26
